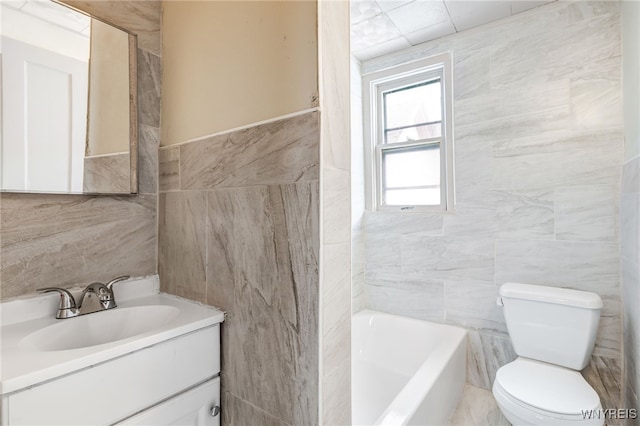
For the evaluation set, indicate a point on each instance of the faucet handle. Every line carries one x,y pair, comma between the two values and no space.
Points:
66,298
117,279
67,307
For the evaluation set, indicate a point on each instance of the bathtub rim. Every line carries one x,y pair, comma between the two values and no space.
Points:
400,411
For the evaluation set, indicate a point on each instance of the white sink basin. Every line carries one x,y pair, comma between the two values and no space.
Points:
100,328
138,358
35,347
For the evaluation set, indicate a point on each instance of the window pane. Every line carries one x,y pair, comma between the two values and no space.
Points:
411,167
413,197
412,105
414,133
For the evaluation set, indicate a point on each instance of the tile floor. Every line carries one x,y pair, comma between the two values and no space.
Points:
477,408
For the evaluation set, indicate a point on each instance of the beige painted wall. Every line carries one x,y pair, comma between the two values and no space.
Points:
108,125
631,74
231,63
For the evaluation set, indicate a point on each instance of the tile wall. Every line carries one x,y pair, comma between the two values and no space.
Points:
71,240
239,229
630,206
109,173
630,269
357,190
538,154
335,206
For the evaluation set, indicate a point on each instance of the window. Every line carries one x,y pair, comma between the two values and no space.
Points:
409,151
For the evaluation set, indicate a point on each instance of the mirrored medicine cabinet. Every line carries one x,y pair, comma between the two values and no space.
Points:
69,102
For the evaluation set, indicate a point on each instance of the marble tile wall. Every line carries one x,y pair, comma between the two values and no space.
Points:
630,207
239,229
538,154
107,173
357,190
630,270
71,240
335,213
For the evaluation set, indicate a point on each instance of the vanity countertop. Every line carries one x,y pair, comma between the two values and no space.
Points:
24,364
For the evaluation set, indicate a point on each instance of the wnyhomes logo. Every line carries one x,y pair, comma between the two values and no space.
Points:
611,413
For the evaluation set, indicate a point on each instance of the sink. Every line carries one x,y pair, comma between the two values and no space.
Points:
100,328
35,347
154,358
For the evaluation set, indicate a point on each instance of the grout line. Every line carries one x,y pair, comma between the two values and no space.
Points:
255,407
495,262
637,157
555,214
219,188
206,248
179,171
243,127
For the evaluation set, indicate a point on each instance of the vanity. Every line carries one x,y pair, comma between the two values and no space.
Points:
153,360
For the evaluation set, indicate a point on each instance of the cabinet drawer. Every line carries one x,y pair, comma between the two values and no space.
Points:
192,408
114,390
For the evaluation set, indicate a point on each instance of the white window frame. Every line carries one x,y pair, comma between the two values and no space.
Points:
374,85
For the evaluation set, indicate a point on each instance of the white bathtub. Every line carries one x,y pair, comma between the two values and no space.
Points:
405,371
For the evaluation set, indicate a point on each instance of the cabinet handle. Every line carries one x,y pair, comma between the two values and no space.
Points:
215,410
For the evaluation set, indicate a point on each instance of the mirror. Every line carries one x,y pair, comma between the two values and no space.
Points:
69,102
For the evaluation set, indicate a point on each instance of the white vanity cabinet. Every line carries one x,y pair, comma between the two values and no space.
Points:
162,377
199,406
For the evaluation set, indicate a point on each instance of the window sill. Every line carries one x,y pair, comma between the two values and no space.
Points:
411,210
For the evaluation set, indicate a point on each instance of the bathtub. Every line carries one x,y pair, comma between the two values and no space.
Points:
405,371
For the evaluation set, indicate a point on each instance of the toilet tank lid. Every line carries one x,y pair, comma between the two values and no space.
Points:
559,296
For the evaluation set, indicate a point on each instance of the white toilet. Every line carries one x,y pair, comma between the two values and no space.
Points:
553,331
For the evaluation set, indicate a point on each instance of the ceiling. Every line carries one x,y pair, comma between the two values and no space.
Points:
379,27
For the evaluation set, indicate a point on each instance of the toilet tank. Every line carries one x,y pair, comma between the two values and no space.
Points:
550,324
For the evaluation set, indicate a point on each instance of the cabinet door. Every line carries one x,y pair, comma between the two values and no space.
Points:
191,408
119,388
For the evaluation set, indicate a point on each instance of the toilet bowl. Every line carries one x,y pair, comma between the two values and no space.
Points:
553,332
530,392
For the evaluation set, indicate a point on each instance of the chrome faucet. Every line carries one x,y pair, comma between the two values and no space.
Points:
68,307
102,292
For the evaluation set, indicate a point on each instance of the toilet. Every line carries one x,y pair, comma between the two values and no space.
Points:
553,331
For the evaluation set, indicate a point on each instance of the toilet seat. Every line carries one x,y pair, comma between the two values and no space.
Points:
534,392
